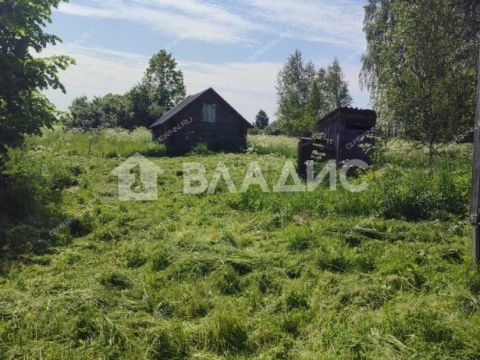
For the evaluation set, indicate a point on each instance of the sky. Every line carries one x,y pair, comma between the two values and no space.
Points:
236,47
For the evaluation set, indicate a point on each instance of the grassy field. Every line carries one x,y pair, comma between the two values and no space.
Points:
384,273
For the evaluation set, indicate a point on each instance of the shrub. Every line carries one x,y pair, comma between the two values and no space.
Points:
18,197
155,150
201,149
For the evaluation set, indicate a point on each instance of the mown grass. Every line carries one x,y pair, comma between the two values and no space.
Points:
385,273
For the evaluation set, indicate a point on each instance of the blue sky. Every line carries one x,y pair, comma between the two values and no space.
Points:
236,47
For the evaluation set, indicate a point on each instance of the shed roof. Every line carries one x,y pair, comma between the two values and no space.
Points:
187,102
368,114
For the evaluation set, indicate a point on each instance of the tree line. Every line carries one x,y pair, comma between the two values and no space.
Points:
305,94
420,66
161,88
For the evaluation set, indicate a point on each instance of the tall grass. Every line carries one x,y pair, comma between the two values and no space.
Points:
375,274
274,145
108,143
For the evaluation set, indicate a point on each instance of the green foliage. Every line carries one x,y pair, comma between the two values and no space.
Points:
201,149
261,120
23,107
306,94
335,88
160,90
108,143
274,145
420,68
102,112
300,239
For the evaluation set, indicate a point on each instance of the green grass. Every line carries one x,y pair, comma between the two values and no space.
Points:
273,145
379,274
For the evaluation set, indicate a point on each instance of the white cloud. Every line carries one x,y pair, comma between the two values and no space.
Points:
336,22
248,87
97,72
193,19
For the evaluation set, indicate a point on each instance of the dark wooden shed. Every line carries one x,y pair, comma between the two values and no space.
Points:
202,118
345,132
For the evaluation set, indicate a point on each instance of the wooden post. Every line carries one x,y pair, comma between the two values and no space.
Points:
305,150
475,211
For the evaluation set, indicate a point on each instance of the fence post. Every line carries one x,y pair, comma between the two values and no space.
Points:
475,210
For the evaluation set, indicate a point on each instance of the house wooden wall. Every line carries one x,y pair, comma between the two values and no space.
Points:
348,131
229,132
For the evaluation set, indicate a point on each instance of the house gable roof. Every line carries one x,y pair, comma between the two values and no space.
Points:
190,100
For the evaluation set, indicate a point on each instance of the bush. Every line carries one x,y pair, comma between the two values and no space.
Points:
155,150
82,225
201,149
421,196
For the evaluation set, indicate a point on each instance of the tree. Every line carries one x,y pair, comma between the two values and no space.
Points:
293,87
317,105
303,95
410,69
336,89
23,107
82,114
261,121
102,112
160,90
471,9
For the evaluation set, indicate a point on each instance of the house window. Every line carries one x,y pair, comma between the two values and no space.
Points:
209,113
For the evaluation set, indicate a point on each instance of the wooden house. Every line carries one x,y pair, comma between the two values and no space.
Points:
204,118
346,132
